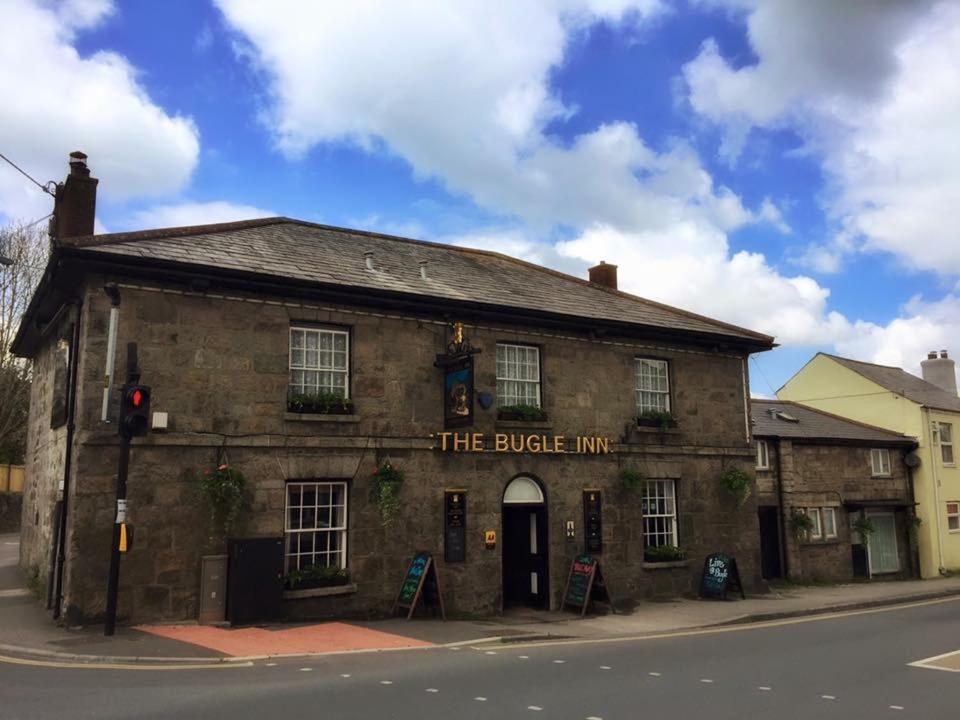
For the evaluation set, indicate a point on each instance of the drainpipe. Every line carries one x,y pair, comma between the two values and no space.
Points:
783,517
936,491
113,292
913,537
67,464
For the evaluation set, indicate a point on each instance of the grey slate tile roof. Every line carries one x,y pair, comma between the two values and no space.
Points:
903,383
313,253
767,417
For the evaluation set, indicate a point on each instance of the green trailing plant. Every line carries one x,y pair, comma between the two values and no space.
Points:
322,403
316,576
915,523
631,479
738,483
663,553
223,489
521,411
802,524
654,418
864,527
388,478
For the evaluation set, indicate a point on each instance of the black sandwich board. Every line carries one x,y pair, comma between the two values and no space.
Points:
421,585
719,575
585,583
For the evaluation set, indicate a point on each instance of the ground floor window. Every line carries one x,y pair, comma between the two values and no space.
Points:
316,525
953,516
829,522
659,513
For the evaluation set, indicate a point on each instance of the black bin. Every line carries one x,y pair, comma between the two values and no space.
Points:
254,579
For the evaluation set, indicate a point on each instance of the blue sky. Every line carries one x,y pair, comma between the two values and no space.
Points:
789,166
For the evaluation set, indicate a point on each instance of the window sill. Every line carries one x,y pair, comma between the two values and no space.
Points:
320,592
525,424
320,417
667,565
658,430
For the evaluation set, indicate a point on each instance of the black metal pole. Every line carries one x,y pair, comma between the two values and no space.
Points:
123,466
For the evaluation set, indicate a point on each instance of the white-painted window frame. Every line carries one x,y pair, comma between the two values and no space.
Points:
518,375
816,532
652,383
880,462
763,455
946,446
338,367
953,518
659,505
294,530
832,513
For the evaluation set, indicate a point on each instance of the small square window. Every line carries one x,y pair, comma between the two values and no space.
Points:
880,462
763,455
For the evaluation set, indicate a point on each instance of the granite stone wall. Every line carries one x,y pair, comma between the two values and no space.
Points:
218,367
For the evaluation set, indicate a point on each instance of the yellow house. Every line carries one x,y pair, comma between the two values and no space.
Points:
926,409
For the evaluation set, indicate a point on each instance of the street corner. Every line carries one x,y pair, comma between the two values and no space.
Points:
318,639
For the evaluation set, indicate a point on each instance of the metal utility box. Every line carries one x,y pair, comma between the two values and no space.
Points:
213,589
254,579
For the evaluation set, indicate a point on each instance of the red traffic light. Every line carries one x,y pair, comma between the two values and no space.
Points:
136,398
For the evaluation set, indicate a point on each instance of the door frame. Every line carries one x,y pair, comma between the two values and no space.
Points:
545,550
896,543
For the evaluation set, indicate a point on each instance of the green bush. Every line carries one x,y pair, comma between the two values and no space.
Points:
663,553
738,483
322,403
631,479
521,412
802,524
223,489
388,478
317,576
657,417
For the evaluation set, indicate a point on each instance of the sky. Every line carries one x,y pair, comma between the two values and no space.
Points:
790,166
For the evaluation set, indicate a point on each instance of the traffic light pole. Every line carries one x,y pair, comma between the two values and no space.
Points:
123,467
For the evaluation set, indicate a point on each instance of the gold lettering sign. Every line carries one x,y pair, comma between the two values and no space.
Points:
520,443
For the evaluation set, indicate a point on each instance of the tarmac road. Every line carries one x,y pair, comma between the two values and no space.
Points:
852,666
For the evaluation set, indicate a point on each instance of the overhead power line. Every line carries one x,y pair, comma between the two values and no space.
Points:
44,188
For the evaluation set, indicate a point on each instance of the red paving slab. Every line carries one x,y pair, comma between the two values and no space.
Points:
326,637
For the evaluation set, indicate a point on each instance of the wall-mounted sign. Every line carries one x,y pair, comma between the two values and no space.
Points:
458,393
490,538
518,443
455,526
592,523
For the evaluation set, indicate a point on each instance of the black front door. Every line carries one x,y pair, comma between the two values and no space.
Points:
769,543
525,556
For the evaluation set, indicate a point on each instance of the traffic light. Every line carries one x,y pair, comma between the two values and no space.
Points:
134,410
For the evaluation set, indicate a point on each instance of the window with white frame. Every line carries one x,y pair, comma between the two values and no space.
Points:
829,522
953,516
763,455
879,462
319,361
518,375
659,505
816,530
316,525
653,385
946,443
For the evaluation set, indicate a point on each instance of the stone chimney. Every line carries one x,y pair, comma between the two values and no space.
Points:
604,274
75,204
940,371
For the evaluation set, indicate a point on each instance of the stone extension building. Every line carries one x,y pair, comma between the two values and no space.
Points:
836,472
246,330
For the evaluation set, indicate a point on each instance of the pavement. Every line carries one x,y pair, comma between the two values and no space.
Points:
27,630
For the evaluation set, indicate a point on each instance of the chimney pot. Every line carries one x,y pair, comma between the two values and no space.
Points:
943,354
423,269
75,201
368,256
604,274
932,355
940,371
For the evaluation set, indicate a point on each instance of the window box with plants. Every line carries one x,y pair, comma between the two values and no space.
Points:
323,403
661,419
666,555
523,413
316,576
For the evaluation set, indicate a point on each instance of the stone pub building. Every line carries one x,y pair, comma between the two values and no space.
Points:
309,358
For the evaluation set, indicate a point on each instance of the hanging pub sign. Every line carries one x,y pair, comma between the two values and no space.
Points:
421,586
458,393
455,526
720,573
592,523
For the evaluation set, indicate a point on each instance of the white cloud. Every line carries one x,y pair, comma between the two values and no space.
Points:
193,213
58,101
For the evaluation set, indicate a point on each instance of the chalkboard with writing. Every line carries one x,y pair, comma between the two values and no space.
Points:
421,585
720,574
584,584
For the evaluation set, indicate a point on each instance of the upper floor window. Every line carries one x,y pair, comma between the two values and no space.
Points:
319,361
653,385
946,443
953,516
518,375
880,462
763,455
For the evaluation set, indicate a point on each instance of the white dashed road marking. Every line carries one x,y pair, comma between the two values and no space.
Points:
386,682
896,707
593,717
306,669
763,687
490,652
654,674
523,657
535,708
559,662
829,697
480,699
606,667
271,664
432,690
706,680
344,675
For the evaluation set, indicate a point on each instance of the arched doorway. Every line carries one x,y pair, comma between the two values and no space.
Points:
525,544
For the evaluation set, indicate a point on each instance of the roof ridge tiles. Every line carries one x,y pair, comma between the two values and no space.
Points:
834,416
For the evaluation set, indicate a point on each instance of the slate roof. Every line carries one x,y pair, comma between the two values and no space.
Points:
768,421
903,383
312,253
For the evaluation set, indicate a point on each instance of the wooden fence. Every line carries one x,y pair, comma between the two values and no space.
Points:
11,478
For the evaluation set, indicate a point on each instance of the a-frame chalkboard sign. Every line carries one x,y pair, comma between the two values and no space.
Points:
585,583
720,574
421,585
